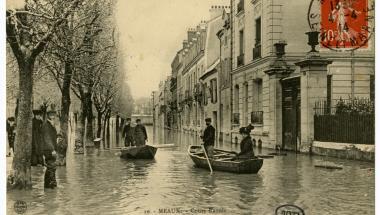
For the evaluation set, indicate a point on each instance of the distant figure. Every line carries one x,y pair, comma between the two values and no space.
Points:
49,137
140,135
37,152
11,131
208,138
246,145
128,133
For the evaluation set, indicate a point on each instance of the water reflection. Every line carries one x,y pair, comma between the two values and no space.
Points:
102,183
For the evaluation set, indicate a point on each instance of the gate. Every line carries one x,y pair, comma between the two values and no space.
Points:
291,101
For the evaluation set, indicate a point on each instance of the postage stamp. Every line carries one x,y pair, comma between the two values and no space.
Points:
344,25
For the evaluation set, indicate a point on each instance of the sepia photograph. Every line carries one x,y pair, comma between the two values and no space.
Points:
159,107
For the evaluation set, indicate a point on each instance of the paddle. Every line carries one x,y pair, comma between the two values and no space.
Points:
163,145
208,160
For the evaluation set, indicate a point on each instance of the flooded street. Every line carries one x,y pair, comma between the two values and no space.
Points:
102,183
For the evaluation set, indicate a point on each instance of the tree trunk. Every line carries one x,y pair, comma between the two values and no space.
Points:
104,130
22,178
99,124
89,116
117,130
79,131
64,120
108,130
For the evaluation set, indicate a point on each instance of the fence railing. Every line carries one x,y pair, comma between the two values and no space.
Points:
256,52
345,121
240,60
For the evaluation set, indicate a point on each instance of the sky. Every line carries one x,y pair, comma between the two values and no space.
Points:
151,33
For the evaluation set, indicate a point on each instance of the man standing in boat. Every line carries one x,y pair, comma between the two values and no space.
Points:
208,138
140,135
128,133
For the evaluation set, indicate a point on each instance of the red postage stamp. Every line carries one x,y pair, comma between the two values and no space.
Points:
345,24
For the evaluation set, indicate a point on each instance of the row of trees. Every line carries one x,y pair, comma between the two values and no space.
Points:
76,43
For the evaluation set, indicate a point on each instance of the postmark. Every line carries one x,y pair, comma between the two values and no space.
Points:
20,207
289,209
343,25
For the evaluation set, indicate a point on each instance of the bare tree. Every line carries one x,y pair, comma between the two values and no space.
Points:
97,57
29,29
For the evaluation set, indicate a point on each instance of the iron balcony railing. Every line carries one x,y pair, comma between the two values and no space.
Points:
257,52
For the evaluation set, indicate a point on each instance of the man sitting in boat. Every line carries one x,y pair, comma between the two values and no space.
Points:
208,138
246,145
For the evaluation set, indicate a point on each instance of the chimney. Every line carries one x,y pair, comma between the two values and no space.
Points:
191,33
216,11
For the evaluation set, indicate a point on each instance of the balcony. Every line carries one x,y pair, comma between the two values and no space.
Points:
256,52
257,117
240,6
240,60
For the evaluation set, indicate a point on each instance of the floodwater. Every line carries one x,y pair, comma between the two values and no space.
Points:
102,183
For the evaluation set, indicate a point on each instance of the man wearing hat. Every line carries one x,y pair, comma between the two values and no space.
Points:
37,156
208,138
11,131
128,133
140,135
49,137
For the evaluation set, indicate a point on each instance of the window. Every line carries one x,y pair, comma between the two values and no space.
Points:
241,42
257,95
240,6
258,32
236,99
245,108
214,90
257,109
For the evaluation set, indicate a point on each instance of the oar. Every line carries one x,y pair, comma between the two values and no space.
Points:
163,145
208,161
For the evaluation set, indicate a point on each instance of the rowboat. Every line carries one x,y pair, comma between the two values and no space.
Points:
138,152
222,161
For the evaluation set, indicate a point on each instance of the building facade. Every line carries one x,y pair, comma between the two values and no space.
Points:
270,89
249,64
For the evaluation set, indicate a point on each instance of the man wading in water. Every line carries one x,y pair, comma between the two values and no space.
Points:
49,139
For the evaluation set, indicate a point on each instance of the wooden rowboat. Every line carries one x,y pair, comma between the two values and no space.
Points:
138,152
222,161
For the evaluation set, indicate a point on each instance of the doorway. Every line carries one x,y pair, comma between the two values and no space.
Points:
291,123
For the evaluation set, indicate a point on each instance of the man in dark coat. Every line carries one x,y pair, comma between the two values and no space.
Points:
11,132
49,137
140,135
246,145
208,138
128,133
37,151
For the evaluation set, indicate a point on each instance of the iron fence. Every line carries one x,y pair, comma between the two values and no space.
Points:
346,121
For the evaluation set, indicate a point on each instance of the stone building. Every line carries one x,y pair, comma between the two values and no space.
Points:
272,88
224,93
192,67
